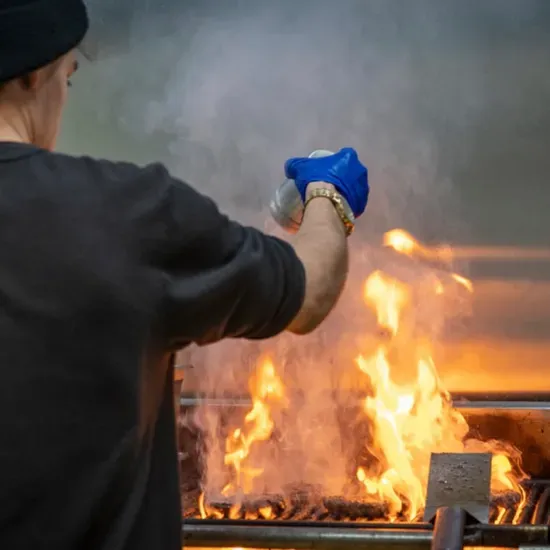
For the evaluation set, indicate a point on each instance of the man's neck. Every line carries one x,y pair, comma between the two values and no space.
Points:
8,134
13,128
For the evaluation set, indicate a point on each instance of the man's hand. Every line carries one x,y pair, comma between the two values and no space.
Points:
321,241
343,170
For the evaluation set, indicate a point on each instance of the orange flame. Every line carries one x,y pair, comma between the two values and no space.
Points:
402,242
387,298
266,387
207,511
410,422
466,283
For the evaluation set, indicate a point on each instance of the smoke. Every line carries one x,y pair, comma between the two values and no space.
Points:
233,90
224,92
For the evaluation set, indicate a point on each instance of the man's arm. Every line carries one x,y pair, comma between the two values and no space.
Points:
321,245
221,279
215,278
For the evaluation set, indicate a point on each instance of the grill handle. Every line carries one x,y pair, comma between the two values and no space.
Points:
448,531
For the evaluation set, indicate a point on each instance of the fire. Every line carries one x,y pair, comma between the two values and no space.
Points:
466,283
265,387
402,242
408,421
406,244
412,421
388,300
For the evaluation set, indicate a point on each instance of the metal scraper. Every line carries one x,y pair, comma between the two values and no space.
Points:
459,491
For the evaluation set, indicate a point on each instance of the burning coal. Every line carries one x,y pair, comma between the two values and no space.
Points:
389,427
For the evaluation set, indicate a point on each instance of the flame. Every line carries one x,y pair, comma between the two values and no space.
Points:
410,422
388,299
265,387
207,511
466,283
500,514
402,242
266,512
406,244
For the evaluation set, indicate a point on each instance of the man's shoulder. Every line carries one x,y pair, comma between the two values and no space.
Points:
119,182
103,169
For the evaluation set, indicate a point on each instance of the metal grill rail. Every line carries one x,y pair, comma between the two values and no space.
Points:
527,525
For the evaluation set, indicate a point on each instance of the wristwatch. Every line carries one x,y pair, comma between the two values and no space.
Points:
340,204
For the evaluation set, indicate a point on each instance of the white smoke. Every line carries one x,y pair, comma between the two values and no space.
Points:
224,92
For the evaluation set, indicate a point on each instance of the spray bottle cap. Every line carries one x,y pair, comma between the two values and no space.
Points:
320,153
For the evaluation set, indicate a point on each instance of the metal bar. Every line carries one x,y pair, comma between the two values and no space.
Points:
321,538
502,405
311,524
526,512
520,401
188,401
501,396
223,534
448,533
505,536
541,510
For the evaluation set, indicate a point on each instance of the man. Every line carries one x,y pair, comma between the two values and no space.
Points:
107,269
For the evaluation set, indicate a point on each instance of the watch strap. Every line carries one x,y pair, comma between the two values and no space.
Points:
340,206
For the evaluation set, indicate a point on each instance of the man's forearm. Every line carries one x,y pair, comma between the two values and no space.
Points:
322,247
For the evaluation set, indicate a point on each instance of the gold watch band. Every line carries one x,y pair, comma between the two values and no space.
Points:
337,201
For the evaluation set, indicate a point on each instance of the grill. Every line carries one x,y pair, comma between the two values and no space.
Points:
304,520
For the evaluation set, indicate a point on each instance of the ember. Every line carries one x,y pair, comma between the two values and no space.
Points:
405,424
505,508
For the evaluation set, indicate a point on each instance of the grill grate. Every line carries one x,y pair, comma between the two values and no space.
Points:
301,506
305,519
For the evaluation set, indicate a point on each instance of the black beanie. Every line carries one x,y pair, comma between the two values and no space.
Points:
33,33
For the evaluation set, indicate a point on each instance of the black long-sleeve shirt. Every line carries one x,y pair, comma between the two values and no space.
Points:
105,270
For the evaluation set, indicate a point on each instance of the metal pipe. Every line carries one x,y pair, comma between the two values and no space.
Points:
223,534
471,400
541,510
448,533
320,538
505,536
311,524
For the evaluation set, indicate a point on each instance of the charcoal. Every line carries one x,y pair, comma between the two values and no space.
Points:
189,503
300,491
290,512
507,499
339,508
190,512
303,502
322,515
305,513
222,507
251,505
317,512
509,516
274,502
